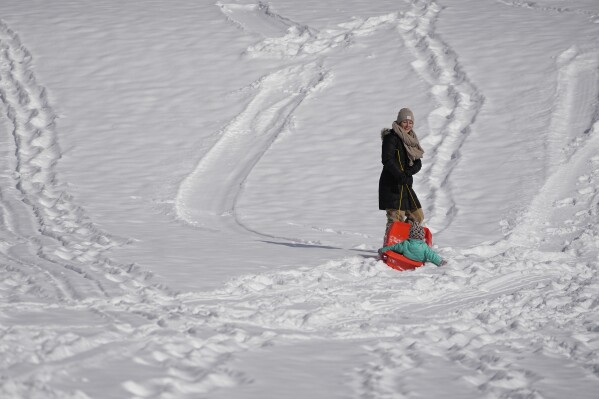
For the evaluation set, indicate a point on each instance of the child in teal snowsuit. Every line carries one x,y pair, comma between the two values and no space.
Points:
415,248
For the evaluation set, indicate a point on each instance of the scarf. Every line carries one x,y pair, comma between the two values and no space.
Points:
410,142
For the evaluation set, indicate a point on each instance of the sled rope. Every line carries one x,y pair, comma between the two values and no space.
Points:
401,193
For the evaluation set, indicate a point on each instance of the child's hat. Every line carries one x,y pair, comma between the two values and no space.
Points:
416,231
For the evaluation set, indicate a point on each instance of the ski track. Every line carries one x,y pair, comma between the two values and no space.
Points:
459,104
53,261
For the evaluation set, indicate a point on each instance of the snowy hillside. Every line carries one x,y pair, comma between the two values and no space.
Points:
188,199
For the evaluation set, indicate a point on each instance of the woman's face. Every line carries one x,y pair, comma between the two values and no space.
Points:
407,124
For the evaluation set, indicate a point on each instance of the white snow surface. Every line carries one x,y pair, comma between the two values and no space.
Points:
188,199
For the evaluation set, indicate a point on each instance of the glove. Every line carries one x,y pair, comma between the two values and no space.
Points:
443,263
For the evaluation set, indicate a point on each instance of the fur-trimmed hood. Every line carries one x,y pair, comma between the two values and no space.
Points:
385,131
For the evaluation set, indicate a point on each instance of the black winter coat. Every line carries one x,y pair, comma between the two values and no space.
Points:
395,183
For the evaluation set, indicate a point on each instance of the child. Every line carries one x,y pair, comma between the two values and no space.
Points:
415,248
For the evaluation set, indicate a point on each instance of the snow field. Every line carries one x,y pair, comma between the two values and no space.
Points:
513,315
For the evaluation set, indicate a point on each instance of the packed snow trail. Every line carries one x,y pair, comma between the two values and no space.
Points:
204,194
571,154
566,203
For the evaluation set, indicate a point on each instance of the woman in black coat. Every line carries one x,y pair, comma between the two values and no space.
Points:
401,156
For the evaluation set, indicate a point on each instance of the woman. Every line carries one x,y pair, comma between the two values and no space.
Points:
401,156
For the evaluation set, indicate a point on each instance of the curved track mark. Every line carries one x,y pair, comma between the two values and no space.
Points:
571,147
459,104
204,193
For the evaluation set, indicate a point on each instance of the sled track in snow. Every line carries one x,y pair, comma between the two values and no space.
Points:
576,106
243,142
568,200
570,195
201,200
459,104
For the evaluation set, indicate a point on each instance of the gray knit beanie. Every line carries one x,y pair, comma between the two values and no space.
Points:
416,231
405,114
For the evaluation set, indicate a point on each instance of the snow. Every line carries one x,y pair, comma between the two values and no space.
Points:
188,199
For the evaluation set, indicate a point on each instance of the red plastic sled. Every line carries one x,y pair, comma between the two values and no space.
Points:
400,231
